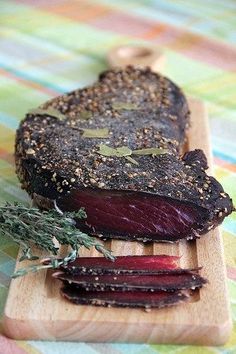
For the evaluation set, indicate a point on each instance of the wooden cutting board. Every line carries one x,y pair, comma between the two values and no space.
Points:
35,309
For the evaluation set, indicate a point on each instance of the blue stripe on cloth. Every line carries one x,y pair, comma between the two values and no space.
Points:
230,226
33,78
11,192
135,348
9,121
8,267
224,156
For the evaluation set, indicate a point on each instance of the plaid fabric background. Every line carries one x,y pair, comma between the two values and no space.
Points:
48,47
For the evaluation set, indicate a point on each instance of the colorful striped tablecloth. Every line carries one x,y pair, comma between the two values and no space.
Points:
48,47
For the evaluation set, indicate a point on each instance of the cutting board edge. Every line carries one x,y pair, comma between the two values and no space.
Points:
211,335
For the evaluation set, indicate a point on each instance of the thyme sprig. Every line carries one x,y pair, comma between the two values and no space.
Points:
31,227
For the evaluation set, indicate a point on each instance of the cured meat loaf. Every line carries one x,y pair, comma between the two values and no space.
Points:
114,148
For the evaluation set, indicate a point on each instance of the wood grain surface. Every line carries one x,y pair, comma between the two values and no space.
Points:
35,309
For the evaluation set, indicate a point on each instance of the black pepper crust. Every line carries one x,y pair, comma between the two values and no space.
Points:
53,158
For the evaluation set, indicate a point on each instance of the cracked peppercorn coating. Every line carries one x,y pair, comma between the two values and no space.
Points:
160,198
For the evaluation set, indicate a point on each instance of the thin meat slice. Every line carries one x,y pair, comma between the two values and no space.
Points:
123,299
165,282
123,264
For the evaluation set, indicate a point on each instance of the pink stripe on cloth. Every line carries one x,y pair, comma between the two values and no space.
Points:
122,23
9,346
231,273
6,156
38,3
195,46
29,83
214,53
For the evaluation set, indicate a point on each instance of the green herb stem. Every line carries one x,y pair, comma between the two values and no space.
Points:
31,227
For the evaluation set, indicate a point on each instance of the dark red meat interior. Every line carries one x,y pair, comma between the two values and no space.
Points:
135,213
139,264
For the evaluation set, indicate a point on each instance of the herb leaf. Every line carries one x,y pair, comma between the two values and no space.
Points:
150,151
85,114
130,159
124,105
52,112
96,133
124,151
106,150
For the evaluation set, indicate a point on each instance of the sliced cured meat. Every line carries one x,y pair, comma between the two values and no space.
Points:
122,299
158,264
165,282
129,281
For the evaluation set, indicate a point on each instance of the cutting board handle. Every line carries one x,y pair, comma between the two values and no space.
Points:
136,55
